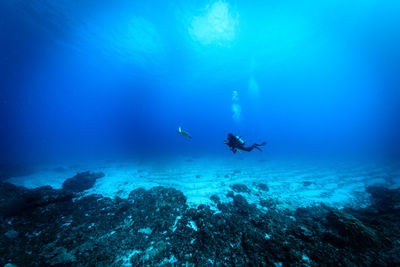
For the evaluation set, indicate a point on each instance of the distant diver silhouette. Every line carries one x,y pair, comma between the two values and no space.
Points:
183,133
236,143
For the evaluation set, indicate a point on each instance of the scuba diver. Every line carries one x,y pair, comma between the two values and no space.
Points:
236,143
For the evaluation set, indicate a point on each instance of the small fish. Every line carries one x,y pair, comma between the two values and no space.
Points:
183,133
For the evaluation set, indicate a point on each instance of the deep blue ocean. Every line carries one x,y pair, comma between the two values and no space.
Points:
114,123
100,77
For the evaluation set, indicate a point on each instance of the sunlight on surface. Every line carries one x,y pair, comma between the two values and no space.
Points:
218,25
125,37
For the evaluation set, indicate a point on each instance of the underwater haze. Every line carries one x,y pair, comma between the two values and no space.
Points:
99,77
199,133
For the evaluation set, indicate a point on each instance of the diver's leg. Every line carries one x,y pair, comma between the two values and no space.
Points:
248,149
256,146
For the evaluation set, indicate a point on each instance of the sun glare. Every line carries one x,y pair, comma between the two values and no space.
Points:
218,25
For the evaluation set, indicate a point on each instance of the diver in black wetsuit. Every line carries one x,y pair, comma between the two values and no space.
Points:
237,144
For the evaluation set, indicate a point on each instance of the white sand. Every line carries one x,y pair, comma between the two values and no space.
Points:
292,185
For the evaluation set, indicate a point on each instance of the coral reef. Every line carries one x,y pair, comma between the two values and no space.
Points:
156,227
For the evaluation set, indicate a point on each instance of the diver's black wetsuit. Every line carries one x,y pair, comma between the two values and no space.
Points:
235,143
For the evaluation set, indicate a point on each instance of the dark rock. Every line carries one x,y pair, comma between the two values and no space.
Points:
241,205
262,187
11,234
20,200
15,170
240,188
8,191
305,234
82,181
268,203
215,198
137,193
307,183
351,232
385,200
230,194
156,227
390,258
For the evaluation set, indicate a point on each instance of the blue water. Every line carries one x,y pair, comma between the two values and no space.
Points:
101,78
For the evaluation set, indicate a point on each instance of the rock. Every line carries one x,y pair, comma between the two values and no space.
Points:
156,253
390,258
351,232
15,170
137,193
156,227
268,203
305,234
241,205
230,194
385,200
215,198
59,255
23,200
146,231
82,181
11,234
8,191
240,188
307,183
262,187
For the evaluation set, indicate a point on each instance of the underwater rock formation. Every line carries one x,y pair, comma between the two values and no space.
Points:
385,200
14,170
156,227
16,200
350,232
240,188
82,181
262,187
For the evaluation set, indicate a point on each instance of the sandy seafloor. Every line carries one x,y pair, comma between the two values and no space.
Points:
291,184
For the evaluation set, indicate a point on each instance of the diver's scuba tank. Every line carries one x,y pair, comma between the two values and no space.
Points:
239,138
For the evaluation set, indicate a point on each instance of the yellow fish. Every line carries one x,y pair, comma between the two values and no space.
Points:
183,133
